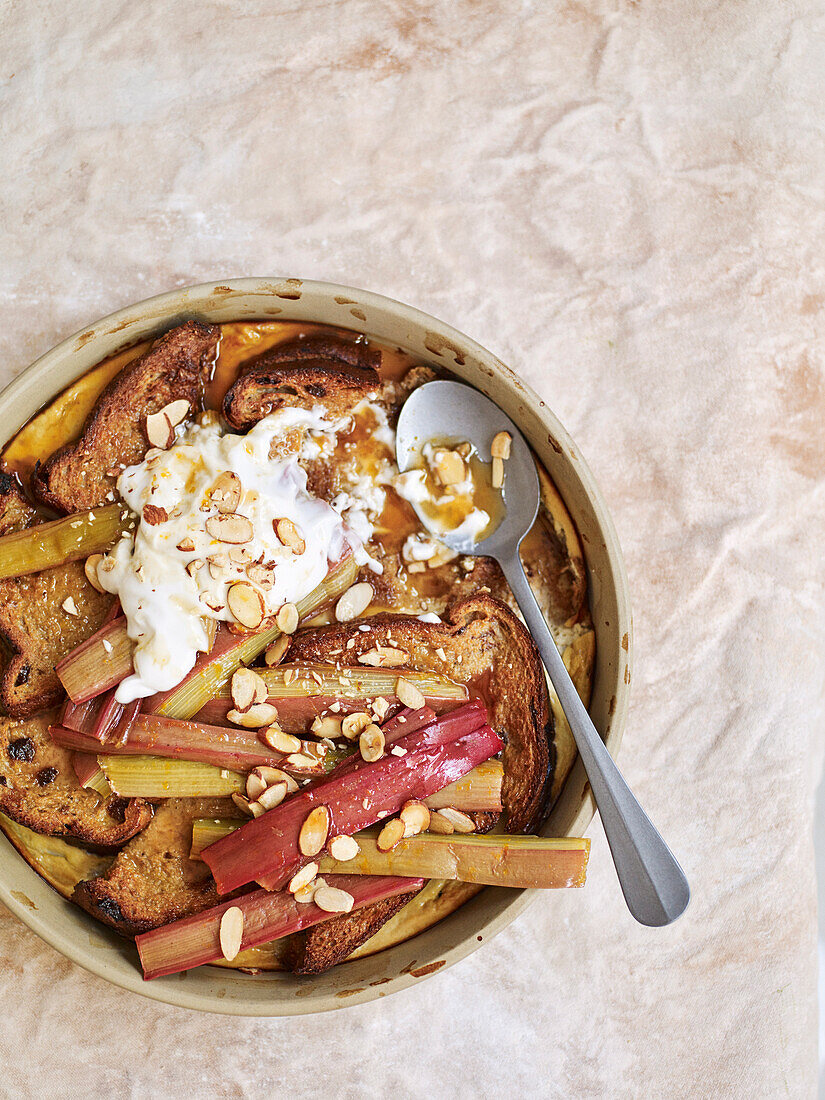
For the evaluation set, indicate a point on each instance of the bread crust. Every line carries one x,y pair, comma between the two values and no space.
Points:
324,370
77,476
39,789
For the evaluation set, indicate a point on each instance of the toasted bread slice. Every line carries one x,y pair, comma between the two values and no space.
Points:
33,622
327,370
39,789
83,474
153,881
483,644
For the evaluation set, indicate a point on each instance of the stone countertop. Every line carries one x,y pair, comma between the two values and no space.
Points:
624,201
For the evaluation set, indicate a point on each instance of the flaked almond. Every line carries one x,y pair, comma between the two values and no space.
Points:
262,714
354,602
301,879
287,618
449,467
225,494
327,726
384,656
301,762
497,476
275,737
333,900
439,824
246,806
415,816
260,575
500,447
289,535
459,821
269,776
194,566
255,786
153,514
314,831
314,749
218,566
354,724
69,606
186,545
306,893
371,743
211,628
275,653
273,796
344,848
159,430
229,528
246,604
390,835
408,694
247,688
90,567
176,411
231,932
242,555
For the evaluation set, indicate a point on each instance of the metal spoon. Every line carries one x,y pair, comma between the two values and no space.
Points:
653,883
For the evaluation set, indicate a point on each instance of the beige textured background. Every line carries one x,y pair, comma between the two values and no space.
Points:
623,200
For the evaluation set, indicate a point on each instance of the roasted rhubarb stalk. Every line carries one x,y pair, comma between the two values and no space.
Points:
478,790
270,849
302,692
103,660
234,747
64,540
266,917
155,777
523,862
90,774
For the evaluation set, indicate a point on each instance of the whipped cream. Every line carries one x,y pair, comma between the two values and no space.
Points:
172,575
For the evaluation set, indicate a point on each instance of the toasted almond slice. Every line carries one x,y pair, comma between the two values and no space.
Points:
260,575
275,737
289,535
306,893
218,566
305,763
449,467
384,656
301,879
231,932
371,743
408,694
275,653
176,411
90,567
333,900
153,514
327,726
439,824
194,566
255,786
69,606
262,714
247,688
500,447
251,808
211,628
287,618
391,834
354,724
314,831
415,816
159,430
459,821
225,494
246,603
315,749
354,602
269,776
497,476
229,528
344,848
186,545
273,796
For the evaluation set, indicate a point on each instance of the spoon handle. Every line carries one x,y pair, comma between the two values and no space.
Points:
653,883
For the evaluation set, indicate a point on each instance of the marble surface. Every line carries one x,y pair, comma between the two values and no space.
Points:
640,186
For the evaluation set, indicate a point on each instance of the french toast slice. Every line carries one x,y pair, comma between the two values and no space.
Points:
83,474
39,789
152,880
34,626
483,644
326,370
